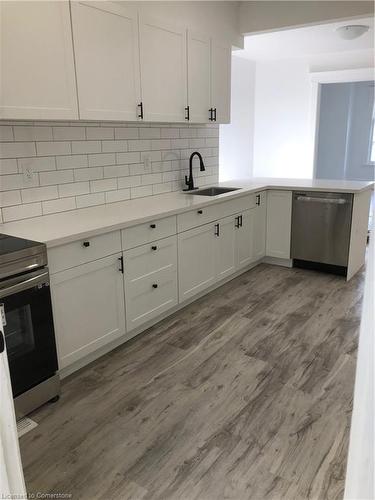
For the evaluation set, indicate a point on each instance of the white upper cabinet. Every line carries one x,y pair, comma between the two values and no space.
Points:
163,70
37,66
105,38
199,70
221,56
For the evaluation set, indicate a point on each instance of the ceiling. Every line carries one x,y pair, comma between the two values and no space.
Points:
304,42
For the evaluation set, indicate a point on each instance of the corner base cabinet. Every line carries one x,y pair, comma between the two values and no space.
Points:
279,223
88,308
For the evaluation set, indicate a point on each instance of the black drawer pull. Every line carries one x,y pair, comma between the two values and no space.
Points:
217,229
154,285
152,226
140,106
257,199
154,247
86,244
237,221
200,212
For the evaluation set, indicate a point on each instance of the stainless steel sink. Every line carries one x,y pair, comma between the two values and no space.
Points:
212,191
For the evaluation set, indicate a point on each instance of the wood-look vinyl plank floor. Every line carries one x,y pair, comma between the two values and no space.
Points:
244,394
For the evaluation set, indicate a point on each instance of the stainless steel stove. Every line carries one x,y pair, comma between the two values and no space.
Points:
26,311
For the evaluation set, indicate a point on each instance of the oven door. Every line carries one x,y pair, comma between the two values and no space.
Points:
25,306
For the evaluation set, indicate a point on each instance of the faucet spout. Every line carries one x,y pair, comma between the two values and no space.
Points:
189,181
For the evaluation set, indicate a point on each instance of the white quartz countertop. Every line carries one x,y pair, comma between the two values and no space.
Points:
57,229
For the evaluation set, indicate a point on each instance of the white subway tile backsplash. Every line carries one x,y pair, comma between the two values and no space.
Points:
79,147
32,133
39,194
69,162
56,177
17,149
79,164
90,200
69,133
73,189
8,167
60,205
52,148
22,211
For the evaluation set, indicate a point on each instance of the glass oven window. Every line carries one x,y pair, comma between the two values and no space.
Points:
19,332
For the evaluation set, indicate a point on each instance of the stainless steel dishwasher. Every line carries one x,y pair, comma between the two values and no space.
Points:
321,225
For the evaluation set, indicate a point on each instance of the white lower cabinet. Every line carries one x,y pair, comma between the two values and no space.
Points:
225,247
88,308
260,225
244,224
150,274
279,220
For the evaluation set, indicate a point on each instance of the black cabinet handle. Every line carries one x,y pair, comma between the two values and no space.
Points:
237,222
240,221
257,199
211,117
152,226
86,244
217,229
154,247
121,259
140,106
200,212
155,285
214,118
187,115
2,342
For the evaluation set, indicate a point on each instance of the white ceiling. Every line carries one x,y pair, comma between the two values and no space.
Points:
304,42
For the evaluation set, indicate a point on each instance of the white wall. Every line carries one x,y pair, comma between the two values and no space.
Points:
282,134
236,138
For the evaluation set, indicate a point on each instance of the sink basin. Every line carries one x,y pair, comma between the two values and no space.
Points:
212,191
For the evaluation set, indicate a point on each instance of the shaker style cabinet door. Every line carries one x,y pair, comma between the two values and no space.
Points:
225,247
279,221
37,65
260,221
245,238
221,55
199,68
163,70
88,308
105,36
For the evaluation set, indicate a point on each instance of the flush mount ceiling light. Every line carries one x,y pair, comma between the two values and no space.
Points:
352,31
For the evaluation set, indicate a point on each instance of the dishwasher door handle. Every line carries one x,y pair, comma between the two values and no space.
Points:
330,201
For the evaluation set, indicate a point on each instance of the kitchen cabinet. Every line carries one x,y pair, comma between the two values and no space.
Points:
199,76
37,66
105,36
196,260
163,70
150,277
244,224
279,219
88,308
226,247
260,223
221,56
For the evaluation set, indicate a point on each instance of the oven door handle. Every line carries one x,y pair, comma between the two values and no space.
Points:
21,283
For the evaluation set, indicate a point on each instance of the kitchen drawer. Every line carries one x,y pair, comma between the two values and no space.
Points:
83,250
149,296
148,232
146,259
219,210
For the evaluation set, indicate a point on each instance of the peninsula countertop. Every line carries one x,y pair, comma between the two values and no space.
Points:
57,229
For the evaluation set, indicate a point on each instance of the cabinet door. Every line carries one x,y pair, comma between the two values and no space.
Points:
107,60
88,308
198,51
279,218
245,238
221,55
260,214
225,247
196,260
163,70
37,66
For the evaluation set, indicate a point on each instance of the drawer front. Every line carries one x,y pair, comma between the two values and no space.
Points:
149,296
200,216
148,232
82,251
146,259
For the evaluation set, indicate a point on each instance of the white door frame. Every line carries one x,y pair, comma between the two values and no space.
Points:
317,79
